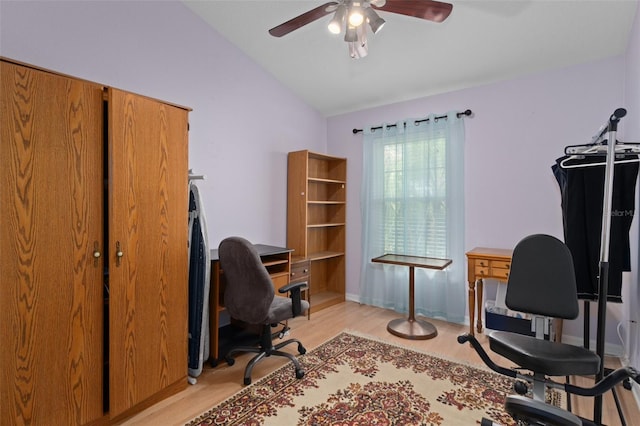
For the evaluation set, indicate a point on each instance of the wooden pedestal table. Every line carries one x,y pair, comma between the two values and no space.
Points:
412,328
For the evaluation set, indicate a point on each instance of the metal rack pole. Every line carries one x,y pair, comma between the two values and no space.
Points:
603,278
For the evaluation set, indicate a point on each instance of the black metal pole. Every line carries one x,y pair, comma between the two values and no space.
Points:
586,333
603,281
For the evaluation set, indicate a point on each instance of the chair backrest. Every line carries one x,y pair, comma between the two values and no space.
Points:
249,290
542,279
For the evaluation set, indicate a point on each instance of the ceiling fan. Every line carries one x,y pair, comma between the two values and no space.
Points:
352,15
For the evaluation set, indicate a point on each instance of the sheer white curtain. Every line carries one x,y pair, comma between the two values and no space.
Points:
413,203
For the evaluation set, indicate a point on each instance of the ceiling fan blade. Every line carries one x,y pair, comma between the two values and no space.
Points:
425,9
302,20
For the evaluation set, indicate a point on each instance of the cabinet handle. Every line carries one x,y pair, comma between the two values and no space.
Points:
305,271
96,253
119,253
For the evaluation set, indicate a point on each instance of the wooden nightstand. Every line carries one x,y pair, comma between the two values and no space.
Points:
483,262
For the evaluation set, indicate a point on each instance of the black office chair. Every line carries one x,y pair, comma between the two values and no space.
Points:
249,297
542,283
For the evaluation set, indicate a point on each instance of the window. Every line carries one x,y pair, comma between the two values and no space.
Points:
413,204
413,198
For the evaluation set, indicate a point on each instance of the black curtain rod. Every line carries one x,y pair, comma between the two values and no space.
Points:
459,114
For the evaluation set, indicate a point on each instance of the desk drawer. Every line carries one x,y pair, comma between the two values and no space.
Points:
300,271
279,280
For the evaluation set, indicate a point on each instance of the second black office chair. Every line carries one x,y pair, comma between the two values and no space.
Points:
249,297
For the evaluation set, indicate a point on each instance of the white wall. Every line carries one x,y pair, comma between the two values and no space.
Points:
518,129
631,133
243,121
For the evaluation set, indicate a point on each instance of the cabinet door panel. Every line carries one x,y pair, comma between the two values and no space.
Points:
148,221
51,291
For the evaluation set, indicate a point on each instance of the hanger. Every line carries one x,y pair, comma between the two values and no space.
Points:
580,152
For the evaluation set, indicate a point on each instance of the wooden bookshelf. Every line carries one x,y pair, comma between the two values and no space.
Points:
316,222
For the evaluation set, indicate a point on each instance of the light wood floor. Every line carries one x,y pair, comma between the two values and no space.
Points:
217,384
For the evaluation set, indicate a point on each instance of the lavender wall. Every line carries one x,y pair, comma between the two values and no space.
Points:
243,121
518,129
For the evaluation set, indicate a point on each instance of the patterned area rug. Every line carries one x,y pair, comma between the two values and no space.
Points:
353,380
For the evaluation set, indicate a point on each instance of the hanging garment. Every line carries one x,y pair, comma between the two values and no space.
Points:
199,275
582,191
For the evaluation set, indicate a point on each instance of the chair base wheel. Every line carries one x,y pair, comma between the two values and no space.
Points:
520,387
301,350
230,361
247,381
299,374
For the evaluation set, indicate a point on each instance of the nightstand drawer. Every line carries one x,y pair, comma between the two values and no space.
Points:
500,273
482,271
500,264
482,263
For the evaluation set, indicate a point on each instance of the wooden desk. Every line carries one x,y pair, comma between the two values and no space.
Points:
483,262
412,328
277,260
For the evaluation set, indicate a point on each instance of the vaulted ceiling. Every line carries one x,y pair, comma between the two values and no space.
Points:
482,41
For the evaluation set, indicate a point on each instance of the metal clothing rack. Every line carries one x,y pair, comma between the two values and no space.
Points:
613,150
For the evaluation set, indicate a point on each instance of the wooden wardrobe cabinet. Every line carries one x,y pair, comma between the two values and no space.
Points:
93,249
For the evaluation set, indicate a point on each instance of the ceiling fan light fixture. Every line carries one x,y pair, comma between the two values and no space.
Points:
375,21
356,16
336,24
358,50
351,15
351,35
361,32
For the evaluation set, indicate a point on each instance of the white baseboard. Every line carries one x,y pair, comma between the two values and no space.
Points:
352,297
610,349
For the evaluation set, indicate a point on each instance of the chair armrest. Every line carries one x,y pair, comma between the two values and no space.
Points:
290,287
296,299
